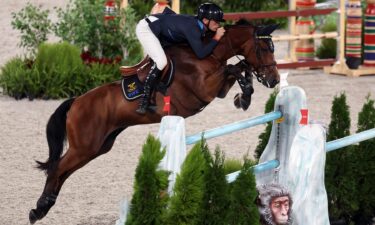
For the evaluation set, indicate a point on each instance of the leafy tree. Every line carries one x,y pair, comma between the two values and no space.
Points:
34,25
365,166
149,200
242,209
265,136
339,176
186,203
82,23
216,192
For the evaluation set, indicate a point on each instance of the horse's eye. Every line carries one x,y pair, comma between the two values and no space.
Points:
271,46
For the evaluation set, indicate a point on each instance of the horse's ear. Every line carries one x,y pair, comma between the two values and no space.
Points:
267,30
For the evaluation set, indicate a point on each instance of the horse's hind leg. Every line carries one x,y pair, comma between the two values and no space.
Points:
70,162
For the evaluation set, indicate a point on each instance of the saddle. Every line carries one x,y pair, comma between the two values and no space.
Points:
133,78
142,68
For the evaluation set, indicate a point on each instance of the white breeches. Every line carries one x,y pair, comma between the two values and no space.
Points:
150,43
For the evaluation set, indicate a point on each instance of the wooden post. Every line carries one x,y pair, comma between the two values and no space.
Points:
292,31
176,6
340,66
124,4
342,32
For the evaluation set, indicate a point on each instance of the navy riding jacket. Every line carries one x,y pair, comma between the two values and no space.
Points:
171,28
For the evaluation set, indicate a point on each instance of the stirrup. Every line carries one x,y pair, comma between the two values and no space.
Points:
142,107
152,107
143,110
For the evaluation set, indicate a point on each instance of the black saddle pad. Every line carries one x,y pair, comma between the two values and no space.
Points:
132,88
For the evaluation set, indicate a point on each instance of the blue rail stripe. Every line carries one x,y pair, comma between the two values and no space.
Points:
349,140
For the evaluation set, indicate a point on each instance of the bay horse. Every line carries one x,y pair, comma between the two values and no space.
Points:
91,122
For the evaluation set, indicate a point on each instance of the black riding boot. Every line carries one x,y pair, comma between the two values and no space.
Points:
149,84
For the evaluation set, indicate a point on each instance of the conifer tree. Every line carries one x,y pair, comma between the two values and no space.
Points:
149,200
216,192
242,209
265,136
339,176
186,203
365,173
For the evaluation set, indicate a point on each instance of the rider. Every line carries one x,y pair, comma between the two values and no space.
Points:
161,30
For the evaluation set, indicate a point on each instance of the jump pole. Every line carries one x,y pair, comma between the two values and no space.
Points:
236,126
330,146
350,140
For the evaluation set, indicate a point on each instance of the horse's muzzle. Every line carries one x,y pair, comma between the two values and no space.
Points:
273,83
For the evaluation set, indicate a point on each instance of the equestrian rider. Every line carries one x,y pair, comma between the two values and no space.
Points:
162,30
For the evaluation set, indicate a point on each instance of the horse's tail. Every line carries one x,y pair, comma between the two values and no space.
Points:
56,135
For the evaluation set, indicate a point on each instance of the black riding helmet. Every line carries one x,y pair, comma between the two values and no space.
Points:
210,11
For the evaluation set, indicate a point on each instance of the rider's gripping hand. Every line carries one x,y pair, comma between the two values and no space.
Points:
219,33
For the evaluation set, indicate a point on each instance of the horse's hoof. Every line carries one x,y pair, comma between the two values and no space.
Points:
33,217
237,100
242,101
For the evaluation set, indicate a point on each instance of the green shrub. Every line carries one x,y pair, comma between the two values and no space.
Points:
365,166
265,135
12,78
57,72
232,165
62,57
328,47
61,68
186,204
149,200
242,208
339,177
201,193
216,191
34,26
98,74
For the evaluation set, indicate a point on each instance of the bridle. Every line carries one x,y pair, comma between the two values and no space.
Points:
251,70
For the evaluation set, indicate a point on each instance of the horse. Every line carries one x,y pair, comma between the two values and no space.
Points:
91,122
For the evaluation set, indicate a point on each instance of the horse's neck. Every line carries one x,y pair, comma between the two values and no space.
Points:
230,44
